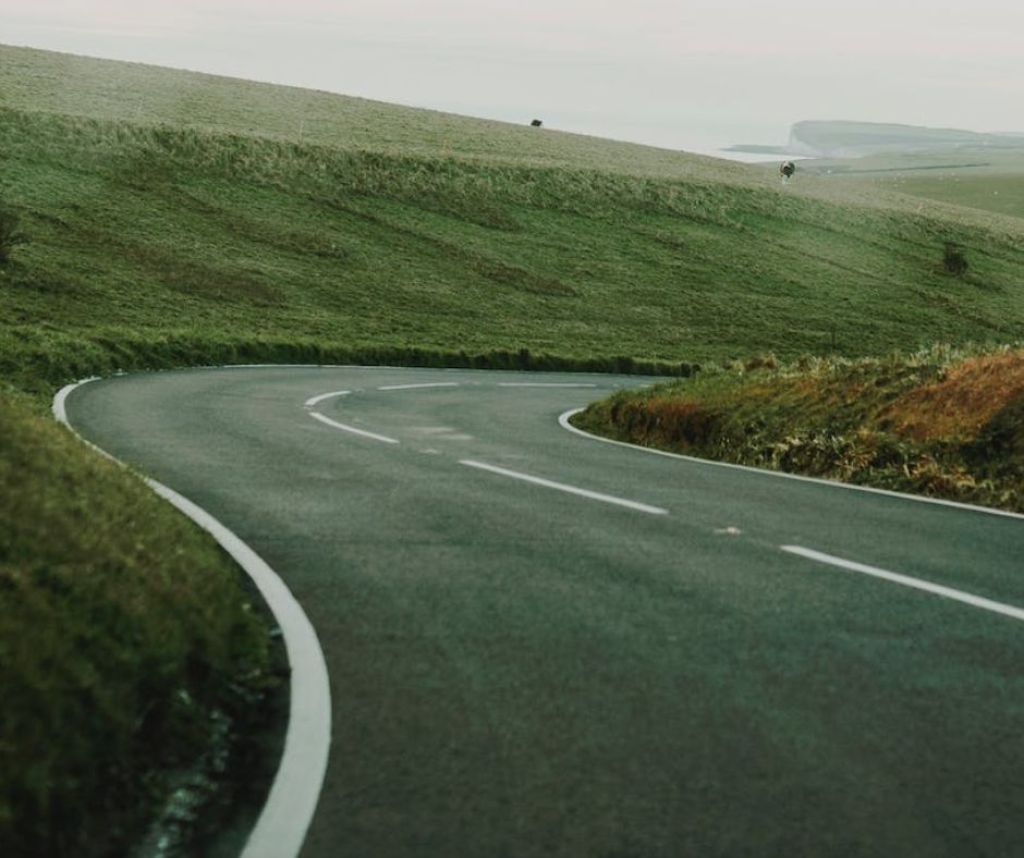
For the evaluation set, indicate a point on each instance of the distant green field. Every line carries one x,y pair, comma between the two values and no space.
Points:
989,181
1002,193
178,219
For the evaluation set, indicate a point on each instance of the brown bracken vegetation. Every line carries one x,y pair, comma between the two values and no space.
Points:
942,423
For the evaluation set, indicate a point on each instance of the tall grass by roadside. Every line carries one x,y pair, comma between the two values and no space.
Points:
945,422
37,364
126,646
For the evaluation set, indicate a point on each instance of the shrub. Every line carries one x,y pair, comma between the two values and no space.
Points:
9,235
953,259
765,361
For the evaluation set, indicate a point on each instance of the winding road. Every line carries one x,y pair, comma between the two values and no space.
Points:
540,644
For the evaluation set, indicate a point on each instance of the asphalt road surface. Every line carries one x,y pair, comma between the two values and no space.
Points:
540,644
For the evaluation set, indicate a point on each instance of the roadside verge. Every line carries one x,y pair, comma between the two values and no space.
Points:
565,421
282,825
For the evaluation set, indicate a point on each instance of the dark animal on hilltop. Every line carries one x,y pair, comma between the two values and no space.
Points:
536,123
787,169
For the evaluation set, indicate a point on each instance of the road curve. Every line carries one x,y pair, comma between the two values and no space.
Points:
543,645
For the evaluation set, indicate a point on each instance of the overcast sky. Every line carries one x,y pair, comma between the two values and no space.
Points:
690,74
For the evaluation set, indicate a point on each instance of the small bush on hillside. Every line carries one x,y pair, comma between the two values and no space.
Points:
765,361
10,237
953,259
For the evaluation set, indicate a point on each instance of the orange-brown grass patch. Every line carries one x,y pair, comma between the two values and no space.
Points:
680,420
964,401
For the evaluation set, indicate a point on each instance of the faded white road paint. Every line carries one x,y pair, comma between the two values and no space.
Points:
384,439
312,401
419,386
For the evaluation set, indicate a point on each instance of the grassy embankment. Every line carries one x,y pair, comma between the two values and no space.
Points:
177,219
940,423
128,652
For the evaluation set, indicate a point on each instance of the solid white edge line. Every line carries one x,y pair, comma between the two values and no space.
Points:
562,487
563,421
908,581
313,400
316,415
419,386
60,411
284,821
282,825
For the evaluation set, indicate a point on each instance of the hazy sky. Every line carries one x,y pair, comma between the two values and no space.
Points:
691,74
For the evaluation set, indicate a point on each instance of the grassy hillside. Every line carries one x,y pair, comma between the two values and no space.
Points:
173,218
149,95
232,232
942,423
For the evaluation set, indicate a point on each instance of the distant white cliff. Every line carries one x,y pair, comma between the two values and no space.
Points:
843,139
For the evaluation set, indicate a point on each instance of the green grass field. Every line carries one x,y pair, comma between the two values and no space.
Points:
177,219
978,179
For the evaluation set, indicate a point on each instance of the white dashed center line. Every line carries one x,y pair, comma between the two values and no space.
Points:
540,384
419,386
562,487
